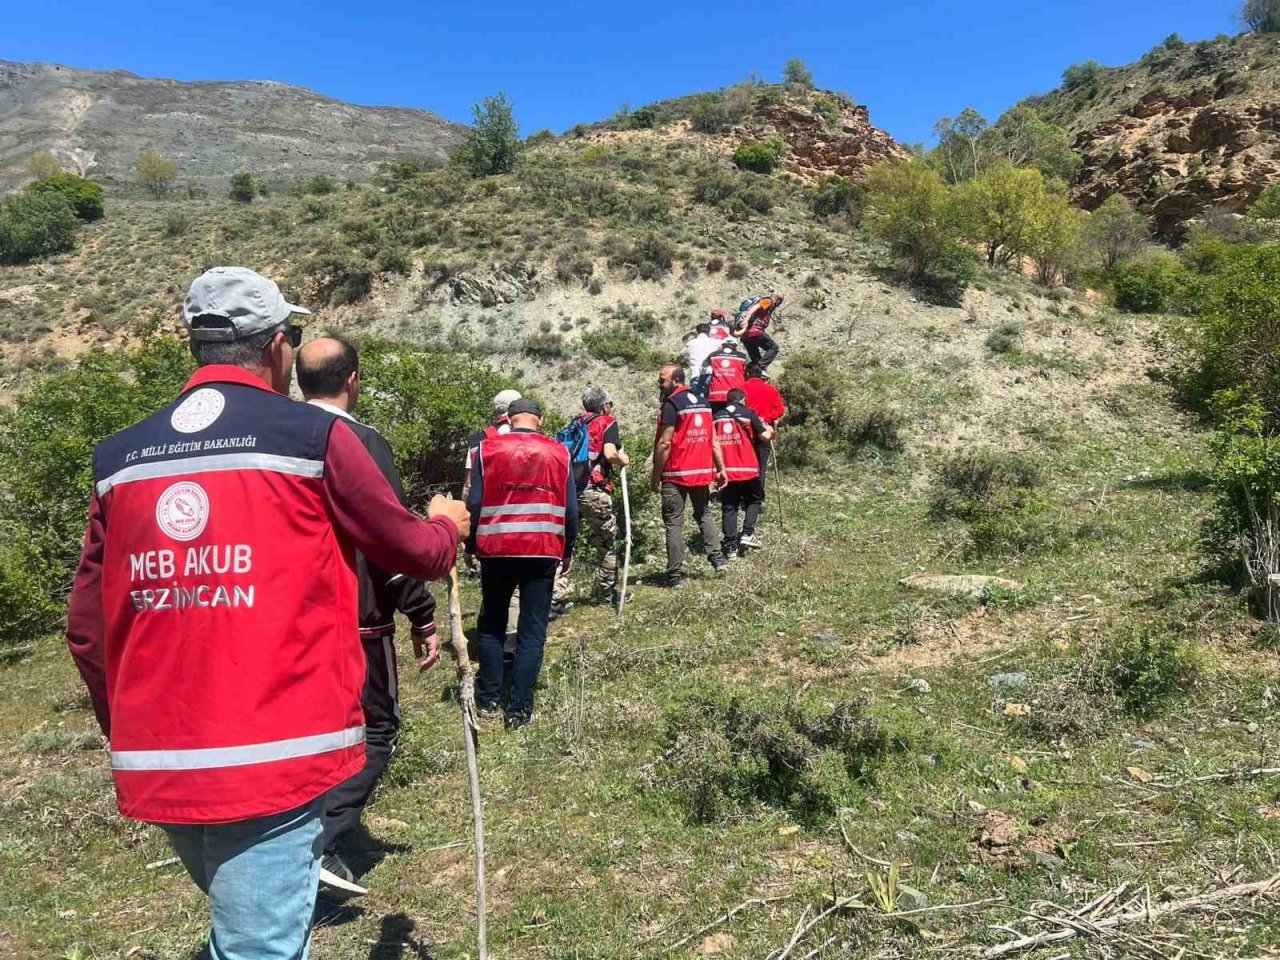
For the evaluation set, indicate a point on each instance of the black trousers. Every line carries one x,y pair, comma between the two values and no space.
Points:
745,496
346,801
761,349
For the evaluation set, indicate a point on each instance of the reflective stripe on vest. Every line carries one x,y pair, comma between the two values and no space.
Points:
207,758
522,513
737,443
295,466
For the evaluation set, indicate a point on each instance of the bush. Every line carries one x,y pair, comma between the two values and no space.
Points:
1148,667
156,173
176,224
646,118
997,497
1261,16
913,213
35,225
648,258
391,259
795,72
493,145
319,185
243,189
828,108
709,114
619,342
837,196
811,385
725,752
756,157
1080,75
46,441
1150,284
881,429
1004,338
339,277
539,138
736,270
734,193
545,346
83,196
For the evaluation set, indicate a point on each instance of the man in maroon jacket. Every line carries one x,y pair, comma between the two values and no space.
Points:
214,613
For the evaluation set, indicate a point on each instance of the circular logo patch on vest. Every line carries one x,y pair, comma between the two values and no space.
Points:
727,428
724,364
199,410
697,419
183,510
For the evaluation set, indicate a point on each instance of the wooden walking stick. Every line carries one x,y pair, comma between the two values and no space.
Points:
626,543
471,735
777,483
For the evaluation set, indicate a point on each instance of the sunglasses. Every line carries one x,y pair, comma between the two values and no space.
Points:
293,333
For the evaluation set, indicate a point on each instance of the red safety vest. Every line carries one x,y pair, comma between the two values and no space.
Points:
760,317
728,369
526,478
596,427
737,443
234,672
496,429
690,463
719,331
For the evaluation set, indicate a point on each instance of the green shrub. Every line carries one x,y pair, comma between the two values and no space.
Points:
756,157
1080,75
811,384
176,224
997,496
1150,284
539,138
84,196
646,118
391,259
319,185
619,342
837,196
243,189
647,258
1267,206
1148,667
35,225
795,72
493,145
46,441
339,277
545,345
881,429
734,193
709,114
828,108
725,752
1004,338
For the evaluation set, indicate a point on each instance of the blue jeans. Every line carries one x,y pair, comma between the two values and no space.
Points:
499,578
261,877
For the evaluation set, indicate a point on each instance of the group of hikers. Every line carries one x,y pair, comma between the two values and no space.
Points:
237,538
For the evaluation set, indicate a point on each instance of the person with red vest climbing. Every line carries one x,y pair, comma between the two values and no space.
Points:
752,325
726,370
739,430
762,397
524,522
213,613
329,376
686,461
720,329
694,354
593,479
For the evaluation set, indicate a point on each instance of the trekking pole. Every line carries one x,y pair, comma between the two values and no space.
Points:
626,543
471,735
777,483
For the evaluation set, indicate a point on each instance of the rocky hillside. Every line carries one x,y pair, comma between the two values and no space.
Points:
98,122
1184,129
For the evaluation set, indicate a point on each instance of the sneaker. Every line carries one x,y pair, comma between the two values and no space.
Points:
487,711
560,609
336,875
752,542
517,720
719,565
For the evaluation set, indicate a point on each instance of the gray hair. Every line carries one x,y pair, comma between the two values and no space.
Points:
245,352
594,398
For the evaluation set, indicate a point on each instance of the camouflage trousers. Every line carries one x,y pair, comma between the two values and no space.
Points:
596,524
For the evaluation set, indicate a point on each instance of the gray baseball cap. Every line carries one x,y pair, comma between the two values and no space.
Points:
247,301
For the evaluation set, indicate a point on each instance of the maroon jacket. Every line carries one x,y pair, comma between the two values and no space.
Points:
214,613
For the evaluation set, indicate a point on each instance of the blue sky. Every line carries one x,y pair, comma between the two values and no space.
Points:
910,61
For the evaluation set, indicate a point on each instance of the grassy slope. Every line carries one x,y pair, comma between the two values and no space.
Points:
587,859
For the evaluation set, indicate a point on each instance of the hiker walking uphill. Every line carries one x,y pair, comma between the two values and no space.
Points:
762,397
213,613
720,329
725,370
686,461
752,325
501,423
595,448
739,430
329,376
524,513
694,356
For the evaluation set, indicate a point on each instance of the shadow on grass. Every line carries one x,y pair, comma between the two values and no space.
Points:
396,941
1188,481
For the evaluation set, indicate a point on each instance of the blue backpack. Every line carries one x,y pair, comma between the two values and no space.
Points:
577,439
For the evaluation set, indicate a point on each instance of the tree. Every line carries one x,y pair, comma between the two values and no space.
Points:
35,225
1082,74
1261,16
1025,140
42,165
912,213
243,189
1267,206
156,173
997,209
493,146
1115,231
756,157
959,152
1053,234
84,196
795,72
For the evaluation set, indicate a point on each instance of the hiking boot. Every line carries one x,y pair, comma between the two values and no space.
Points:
559,609
487,711
672,581
751,542
336,875
719,565
517,720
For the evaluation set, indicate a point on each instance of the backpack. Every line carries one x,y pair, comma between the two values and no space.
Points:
744,312
577,439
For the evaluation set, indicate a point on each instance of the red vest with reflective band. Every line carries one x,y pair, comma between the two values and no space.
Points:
737,443
720,331
526,478
596,427
495,429
690,463
234,665
728,369
760,318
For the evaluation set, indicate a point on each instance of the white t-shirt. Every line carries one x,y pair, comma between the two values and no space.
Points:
696,352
